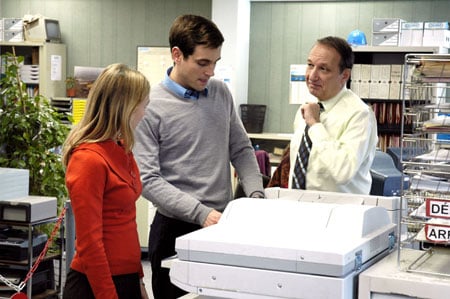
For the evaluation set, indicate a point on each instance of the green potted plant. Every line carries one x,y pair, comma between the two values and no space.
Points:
71,83
31,132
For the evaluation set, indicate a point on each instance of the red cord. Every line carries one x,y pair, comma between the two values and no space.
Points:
44,251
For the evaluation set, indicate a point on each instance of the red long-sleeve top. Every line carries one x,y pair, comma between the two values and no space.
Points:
103,184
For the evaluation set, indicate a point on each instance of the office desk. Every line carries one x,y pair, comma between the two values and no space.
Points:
273,143
271,136
386,280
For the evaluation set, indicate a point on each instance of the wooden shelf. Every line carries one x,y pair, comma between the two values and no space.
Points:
387,110
51,58
24,43
271,136
394,49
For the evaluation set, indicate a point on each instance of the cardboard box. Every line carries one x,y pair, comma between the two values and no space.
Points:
447,39
364,83
396,73
395,92
379,90
366,70
356,72
385,39
375,73
374,90
13,24
354,86
12,36
384,79
385,73
434,33
411,34
386,24
364,90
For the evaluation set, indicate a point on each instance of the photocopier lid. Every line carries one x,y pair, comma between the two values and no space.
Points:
291,236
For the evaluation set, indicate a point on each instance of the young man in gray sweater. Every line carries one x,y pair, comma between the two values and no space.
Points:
184,145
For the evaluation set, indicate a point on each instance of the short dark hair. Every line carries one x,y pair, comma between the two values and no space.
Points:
343,48
188,31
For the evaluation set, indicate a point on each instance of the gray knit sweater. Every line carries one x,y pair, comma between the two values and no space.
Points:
184,148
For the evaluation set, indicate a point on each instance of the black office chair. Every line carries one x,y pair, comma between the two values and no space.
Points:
386,178
407,153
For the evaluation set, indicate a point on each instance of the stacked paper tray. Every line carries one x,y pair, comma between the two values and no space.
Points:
29,74
78,107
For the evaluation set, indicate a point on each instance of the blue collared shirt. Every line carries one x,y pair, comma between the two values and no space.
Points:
180,90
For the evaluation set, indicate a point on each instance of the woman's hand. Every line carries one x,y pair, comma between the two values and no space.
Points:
144,294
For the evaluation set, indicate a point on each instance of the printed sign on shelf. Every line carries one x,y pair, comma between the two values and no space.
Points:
437,233
438,208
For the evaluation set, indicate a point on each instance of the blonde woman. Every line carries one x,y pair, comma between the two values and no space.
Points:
102,179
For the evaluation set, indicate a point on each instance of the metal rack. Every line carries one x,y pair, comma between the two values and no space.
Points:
425,155
27,264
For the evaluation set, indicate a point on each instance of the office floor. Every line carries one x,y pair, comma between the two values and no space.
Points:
147,277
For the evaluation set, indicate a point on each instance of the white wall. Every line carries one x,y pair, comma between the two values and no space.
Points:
233,19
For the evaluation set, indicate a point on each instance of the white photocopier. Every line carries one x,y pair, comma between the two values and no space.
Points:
294,244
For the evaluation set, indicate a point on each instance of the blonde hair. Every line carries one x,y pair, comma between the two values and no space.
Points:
110,104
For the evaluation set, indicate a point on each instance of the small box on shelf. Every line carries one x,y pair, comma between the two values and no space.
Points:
434,33
386,24
385,38
12,36
14,24
411,34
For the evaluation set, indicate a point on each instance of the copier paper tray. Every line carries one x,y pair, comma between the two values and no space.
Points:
284,236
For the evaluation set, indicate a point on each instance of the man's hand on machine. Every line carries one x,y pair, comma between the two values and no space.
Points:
213,218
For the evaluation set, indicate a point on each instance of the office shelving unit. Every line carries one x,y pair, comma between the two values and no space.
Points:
49,64
425,157
272,143
387,110
50,289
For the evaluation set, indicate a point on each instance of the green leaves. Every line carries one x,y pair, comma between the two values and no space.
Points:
31,132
